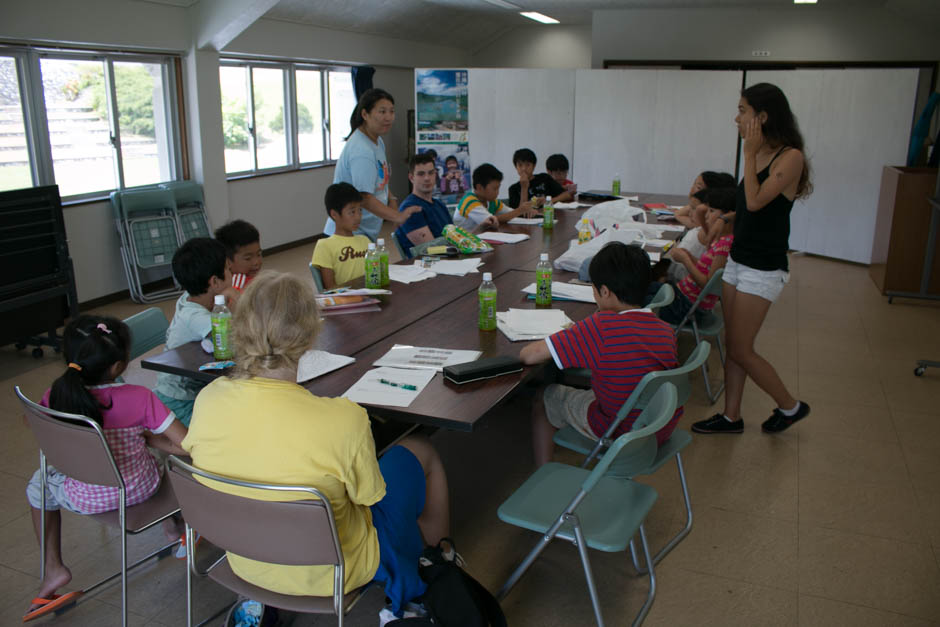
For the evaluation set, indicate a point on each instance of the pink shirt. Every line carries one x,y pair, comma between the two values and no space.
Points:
719,248
127,411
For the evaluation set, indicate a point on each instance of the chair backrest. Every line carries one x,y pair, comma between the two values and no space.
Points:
636,449
293,533
148,330
663,297
317,278
401,249
186,193
74,444
156,201
712,287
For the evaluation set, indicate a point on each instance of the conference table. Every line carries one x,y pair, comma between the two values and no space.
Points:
441,313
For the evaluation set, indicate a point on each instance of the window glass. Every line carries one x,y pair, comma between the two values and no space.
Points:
145,138
342,103
83,158
271,138
309,116
234,86
14,154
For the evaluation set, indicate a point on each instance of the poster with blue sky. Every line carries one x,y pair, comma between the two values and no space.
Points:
441,100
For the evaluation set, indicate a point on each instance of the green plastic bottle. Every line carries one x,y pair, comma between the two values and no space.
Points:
373,268
221,319
543,282
616,186
548,216
487,295
383,257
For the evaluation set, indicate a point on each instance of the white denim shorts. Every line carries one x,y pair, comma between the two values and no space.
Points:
56,498
764,283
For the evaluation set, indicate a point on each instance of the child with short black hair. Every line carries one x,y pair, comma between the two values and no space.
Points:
620,344
477,206
534,188
557,167
96,352
452,181
201,267
242,243
341,256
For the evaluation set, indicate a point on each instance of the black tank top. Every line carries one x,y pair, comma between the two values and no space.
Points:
762,237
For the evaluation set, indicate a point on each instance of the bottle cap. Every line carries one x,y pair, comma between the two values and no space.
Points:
380,241
219,299
487,276
371,246
543,257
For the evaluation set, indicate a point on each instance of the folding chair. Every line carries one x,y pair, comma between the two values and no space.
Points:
569,438
301,533
404,255
598,508
146,224
148,330
191,218
711,326
663,297
77,446
317,278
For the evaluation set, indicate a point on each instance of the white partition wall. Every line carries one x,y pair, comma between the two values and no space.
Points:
854,122
656,128
511,109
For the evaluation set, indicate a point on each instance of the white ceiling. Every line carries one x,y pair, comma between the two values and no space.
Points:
471,24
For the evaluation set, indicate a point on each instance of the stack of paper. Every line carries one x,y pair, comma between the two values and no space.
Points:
567,291
424,357
659,243
409,273
531,324
529,221
568,205
314,363
338,305
395,387
456,267
670,227
503,238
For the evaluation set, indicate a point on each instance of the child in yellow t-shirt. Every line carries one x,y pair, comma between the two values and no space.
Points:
341,257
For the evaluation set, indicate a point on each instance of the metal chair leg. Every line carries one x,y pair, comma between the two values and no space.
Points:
588,574
652,593
190,566
688,515
122,521
529,559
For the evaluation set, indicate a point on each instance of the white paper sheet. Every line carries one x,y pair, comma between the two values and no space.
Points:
409,273
568,205
654,257
362,291
581,293
528,221
515,335
659,243
456,267
370,390
315,363
506,238
670,227
424,357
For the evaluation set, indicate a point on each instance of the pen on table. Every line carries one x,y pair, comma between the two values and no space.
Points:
404,386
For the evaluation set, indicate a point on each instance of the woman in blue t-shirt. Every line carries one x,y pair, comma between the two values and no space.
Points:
776,173
363,164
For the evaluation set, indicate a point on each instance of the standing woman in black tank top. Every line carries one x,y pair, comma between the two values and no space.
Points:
776,173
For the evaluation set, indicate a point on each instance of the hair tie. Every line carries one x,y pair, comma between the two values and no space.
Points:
103,327
75,366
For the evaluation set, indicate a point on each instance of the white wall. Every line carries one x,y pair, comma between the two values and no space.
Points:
554,46
797,33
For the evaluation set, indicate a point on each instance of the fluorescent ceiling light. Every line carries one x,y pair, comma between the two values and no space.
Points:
538,17
503,4
804,1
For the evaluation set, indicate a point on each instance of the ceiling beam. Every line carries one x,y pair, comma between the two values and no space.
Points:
217,22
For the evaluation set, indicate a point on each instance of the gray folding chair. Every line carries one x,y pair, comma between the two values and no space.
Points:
317,277
191,218
301,533
599,508
711,325
77,446
148,330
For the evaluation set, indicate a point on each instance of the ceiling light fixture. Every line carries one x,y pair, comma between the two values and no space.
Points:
804,1
538,17
503,4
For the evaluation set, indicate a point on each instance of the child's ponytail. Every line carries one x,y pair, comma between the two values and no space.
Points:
91,346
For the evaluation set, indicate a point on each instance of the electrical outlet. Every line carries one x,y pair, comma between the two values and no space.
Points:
760,53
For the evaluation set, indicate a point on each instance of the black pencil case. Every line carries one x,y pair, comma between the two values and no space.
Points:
482,369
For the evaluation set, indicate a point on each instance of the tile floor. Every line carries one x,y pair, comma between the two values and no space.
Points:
834,522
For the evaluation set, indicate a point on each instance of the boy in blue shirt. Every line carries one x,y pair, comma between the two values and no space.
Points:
428,223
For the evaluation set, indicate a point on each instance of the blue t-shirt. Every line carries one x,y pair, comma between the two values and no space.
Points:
363,165
433,215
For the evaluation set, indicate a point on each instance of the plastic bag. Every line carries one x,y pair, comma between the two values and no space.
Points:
466,243
576,254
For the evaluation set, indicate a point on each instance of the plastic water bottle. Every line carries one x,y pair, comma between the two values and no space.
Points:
373,268
383,258
584,231
616,187
221,329
548,216
543,282
487,295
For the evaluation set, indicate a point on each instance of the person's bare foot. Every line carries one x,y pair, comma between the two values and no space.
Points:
56,577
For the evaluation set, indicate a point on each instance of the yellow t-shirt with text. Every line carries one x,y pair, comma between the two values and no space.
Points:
272,431
345,256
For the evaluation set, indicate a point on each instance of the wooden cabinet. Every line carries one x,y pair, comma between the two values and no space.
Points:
901,229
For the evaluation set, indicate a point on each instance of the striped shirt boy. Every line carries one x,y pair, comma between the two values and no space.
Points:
472,211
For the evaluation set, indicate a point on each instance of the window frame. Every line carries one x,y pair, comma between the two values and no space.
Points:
32,100
291,125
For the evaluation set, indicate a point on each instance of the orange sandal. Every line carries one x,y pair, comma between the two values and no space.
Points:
56,602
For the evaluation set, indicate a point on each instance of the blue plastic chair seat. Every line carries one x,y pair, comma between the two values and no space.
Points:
537,503
669,449
569,437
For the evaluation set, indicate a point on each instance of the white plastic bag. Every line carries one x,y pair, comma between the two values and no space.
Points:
572,259
606,214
